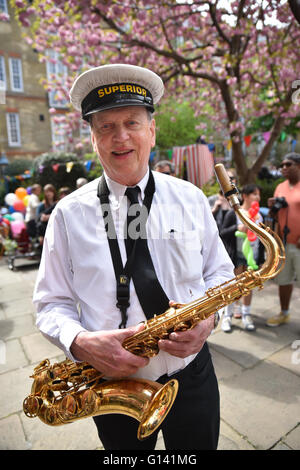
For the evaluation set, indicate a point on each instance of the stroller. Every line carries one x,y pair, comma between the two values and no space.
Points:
22,247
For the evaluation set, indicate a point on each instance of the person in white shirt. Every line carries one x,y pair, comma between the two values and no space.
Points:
75,293
31,210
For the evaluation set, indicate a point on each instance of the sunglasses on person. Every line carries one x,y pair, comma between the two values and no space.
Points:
287,164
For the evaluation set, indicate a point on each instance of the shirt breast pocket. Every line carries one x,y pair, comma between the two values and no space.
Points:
181,254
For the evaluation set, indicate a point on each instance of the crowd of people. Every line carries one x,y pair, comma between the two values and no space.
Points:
95,288
38,212
32,217
284,210
284,214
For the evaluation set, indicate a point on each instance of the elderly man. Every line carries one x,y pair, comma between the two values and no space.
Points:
285,207
96,256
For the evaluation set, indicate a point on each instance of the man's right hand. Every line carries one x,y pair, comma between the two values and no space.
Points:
104,351
271,201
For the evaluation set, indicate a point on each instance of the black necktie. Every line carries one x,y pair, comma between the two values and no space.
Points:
132,229
148,289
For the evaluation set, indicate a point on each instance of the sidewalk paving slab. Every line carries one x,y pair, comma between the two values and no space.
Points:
258,374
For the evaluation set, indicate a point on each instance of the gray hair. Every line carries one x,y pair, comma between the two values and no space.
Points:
295,157
163,163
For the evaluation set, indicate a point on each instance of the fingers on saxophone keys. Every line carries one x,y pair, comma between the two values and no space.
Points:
173,348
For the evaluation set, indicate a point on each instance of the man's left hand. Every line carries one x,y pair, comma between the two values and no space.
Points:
185,343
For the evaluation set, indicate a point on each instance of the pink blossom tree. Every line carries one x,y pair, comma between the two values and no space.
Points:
241,57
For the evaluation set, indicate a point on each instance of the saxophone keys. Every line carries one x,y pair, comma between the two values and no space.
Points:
68,407
182,326
90,401
42,366
51,415
59,385
31,406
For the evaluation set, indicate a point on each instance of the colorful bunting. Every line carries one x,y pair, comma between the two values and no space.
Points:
229,144
169,154
152,155
22,177
247,140
294,142
69,166
282,136
88,165
266,136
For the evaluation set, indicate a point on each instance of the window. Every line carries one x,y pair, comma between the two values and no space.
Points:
85,129
2,80
3,6
56,71
2,73
60,134
13,129
16,78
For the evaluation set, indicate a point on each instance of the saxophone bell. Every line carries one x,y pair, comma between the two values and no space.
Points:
56,402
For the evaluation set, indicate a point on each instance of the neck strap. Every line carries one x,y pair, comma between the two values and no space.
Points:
122,273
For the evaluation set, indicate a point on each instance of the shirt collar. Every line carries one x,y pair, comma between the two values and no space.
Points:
117,190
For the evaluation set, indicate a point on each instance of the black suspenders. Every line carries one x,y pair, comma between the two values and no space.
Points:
122,274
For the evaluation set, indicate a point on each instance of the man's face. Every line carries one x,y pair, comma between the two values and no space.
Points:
289,168
123,138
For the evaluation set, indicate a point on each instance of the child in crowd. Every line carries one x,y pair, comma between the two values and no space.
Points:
234,245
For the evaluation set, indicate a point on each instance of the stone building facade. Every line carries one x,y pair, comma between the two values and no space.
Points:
25,121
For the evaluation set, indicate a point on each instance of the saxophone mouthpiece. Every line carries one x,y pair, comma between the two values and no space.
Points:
228,188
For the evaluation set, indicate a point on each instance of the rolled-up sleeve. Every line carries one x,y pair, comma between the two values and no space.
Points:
55,301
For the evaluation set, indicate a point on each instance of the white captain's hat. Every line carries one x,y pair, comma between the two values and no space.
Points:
115,86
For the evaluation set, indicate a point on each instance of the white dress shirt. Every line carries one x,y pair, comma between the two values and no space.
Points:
76,288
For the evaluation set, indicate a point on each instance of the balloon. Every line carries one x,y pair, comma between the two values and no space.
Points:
19,206
10,199
18,216
11,208
20,193
29,190
252,212
6,221
16,227
247,250
26,200
8,217
251,236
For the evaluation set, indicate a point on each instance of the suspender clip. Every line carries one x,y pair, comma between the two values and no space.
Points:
123,298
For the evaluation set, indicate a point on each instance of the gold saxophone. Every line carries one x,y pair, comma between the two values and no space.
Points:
64,392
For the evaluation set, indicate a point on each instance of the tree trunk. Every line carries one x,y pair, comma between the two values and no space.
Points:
240,161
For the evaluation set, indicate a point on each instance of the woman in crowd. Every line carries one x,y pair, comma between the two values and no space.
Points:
234,245
45,209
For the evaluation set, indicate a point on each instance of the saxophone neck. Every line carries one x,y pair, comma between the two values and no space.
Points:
275,256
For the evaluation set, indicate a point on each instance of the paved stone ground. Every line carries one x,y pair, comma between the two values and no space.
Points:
258,373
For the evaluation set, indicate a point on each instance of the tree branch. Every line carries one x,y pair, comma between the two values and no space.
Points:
276,130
